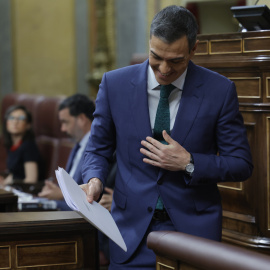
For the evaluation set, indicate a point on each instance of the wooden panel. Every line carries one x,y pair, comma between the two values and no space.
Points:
231,185
202,48
268,172
5,257
267,83
233,221
58,253
225,46
166,264
258,44
247,87
248,81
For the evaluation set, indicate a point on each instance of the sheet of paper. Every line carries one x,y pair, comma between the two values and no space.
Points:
94,213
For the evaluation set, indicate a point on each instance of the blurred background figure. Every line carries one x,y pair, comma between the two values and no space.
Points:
76,115
23,157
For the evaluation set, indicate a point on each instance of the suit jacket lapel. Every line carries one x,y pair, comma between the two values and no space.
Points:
190,103
139,102
139,107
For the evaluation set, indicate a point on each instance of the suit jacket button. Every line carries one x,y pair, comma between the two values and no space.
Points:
159,182
150,209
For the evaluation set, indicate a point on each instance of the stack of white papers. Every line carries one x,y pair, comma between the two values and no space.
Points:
94,213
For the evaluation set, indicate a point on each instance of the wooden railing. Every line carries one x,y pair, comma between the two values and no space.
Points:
181,251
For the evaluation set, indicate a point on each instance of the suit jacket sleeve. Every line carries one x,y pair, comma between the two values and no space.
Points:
97,165
233,162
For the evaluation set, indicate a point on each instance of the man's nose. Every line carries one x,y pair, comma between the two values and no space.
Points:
164,67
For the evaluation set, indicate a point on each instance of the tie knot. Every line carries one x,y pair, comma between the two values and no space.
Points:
165,90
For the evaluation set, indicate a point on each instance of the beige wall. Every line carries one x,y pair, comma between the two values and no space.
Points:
44,38
260,2
44,46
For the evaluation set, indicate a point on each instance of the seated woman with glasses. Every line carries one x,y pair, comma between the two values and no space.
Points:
23,158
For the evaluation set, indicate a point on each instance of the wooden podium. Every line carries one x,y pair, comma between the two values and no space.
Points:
245,59
47,240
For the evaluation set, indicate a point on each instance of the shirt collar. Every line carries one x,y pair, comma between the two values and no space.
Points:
153,84
84,140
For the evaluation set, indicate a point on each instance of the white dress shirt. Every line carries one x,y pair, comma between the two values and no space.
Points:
79,153
153,89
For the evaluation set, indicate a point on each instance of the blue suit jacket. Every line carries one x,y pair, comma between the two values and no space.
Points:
208,122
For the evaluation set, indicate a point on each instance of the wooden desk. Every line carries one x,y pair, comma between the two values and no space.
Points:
47,240
8,201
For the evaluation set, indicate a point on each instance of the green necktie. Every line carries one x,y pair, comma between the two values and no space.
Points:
162,121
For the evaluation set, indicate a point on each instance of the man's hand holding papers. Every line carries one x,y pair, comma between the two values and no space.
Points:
93,189
93,212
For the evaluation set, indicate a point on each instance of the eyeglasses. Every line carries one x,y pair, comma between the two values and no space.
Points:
19,118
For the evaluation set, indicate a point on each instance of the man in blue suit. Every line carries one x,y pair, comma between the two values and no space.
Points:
166,177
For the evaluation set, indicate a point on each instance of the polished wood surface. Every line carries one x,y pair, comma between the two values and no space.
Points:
181,251
8,201
245,59
47,240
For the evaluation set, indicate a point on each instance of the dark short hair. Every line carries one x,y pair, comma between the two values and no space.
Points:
29,134
78,104
174,22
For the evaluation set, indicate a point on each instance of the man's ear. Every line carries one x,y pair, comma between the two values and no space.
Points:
194,48
81,117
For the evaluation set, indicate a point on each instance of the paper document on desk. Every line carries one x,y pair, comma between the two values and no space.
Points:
94,213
